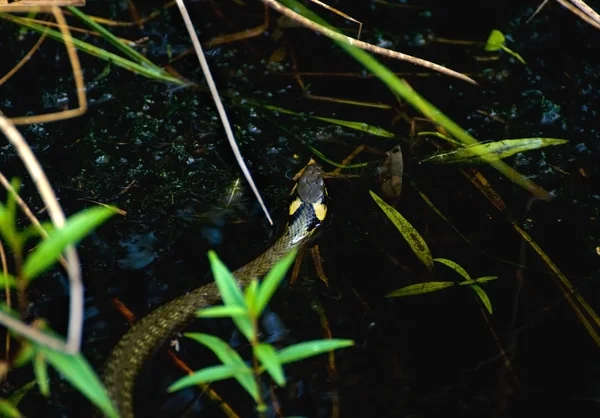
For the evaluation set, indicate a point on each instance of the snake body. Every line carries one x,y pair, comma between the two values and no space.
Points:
142,340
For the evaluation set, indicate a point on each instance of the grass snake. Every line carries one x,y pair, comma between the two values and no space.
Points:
144,338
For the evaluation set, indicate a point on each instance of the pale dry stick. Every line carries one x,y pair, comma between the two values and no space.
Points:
23,61
344,15
364,45
215,95
7,296
539,8
58,219
586,9
28,213
77,75
583,11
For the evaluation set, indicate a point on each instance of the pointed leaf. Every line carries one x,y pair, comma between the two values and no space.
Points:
454,266
78,226
7,280
410,234
310,349
271,282
484,297
492,151
250,294
7,409
41,374
79,373
221,312
486,279
268,358
207,375
228,356
495,40
419,289
18,395
230,293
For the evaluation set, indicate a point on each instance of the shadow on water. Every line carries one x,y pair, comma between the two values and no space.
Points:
159,154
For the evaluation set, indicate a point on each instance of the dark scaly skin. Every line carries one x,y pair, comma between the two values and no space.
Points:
142,340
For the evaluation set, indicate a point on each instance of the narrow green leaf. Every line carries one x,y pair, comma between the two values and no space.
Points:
333,163
250,294
228,286
454,266
419,289
486,279
207,375
230,357
7,279
221,312
410,234
79,373
495,41
492,151
77,227
514,54
271,282
230,293
41,374
25,354
358,126
17,396
307,349
483,297
269,359
115,59
7,409
113,40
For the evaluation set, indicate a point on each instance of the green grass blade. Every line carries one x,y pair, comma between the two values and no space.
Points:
7,279
492,151
231,293
113,40
483,297
308,349
77,227
80,374
228,356
8,410
207,375
410,234
333,163
419,289
19,393
41,374
271,282
160,75
221,312
357,126
486,279
269,359
454,266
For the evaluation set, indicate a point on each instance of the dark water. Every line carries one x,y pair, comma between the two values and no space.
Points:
159,153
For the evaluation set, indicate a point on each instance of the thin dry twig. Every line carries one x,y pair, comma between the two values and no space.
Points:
364,45
222,114
77,75
583,11
8,298
23,61
58,219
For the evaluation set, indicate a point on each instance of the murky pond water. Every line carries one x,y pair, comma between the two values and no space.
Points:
159,153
